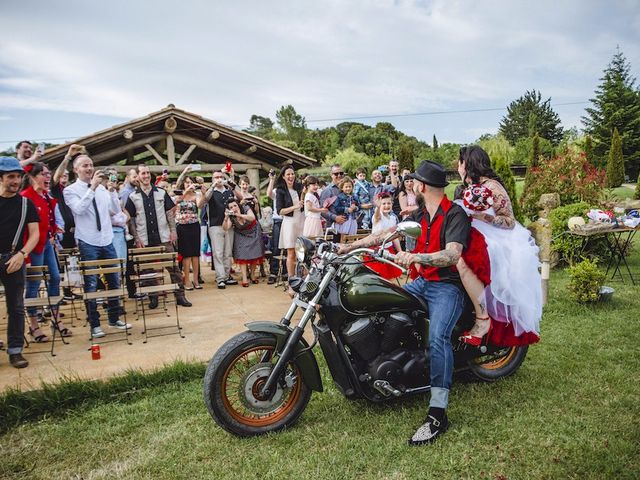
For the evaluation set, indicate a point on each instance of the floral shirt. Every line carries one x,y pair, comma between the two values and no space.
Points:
187,212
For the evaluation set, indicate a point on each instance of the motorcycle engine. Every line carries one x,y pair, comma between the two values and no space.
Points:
389,346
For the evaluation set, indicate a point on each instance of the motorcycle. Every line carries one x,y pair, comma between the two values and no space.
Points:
372,333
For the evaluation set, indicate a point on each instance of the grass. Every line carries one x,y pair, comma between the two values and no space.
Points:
572,411
622,193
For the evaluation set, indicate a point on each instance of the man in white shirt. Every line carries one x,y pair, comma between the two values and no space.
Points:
91,204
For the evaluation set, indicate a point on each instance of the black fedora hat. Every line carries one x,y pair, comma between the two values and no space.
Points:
431,173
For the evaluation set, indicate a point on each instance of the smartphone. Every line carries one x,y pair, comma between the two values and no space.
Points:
195,167
227,167
177,192
41,148
113,177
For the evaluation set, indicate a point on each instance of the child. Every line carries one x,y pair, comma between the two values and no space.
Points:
361,192
384,220
312,210
346,204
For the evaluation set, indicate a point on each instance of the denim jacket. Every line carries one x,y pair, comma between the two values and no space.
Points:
361,191
343,202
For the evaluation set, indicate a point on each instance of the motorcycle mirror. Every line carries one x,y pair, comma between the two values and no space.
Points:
409,229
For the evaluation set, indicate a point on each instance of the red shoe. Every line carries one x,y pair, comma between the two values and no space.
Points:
474,336
244,284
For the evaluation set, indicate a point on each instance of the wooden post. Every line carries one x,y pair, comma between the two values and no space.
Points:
171,150
157,156
170,125
250,150
254,178
128,135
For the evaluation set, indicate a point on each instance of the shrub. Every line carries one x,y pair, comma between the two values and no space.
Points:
585,281
570,175
569,247
615,163
637,194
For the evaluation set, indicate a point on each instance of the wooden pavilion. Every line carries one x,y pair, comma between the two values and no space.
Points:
172,138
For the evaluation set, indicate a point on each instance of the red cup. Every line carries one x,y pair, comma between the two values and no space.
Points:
95,352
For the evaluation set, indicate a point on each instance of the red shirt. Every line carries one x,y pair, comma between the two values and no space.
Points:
45,208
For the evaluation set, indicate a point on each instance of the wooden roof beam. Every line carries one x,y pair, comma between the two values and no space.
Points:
185,155
250,150
155,154
122,150
225,152
213,136
206,167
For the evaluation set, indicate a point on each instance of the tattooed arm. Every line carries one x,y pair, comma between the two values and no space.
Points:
501,205
444,258
373,240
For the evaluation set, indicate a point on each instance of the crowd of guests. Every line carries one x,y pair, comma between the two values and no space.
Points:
103,216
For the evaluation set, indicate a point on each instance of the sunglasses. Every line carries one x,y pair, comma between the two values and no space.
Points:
338,174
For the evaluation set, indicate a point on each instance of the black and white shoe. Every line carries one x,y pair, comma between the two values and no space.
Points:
429,431
231,281
222,285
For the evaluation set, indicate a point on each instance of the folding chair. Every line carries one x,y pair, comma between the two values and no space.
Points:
101,268
70,278
133,276
40,274
150,281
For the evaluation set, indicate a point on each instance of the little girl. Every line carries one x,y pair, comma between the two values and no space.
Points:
346,204
384,220
312,210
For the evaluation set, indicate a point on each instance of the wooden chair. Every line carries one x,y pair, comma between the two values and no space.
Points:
100,268
68,259
41,275
352,238
149,279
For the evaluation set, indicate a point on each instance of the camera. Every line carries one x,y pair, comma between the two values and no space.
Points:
113,177
178,192
272,172
383,169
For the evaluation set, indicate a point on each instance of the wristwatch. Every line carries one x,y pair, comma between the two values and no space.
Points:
23,254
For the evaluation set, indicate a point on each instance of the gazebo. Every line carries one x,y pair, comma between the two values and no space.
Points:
171,138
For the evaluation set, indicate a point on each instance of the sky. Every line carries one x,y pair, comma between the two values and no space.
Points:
70,68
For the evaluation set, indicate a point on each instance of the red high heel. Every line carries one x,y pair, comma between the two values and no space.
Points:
473,340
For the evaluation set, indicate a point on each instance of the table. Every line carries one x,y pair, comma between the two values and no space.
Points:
617,245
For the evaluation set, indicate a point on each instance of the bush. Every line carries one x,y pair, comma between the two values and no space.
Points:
569,247
570,175
637,194
504,171
585,281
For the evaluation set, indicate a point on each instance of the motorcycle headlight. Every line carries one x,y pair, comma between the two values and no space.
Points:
304,249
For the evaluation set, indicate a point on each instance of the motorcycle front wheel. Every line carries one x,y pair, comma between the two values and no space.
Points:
498,365
233,381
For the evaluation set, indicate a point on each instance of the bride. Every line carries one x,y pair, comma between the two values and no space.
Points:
508,304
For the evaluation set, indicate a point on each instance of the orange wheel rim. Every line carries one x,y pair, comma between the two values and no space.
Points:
499,362
232,390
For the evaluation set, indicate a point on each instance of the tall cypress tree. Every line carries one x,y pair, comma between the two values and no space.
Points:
435,142
616,105
534,160
503,169
615,165
588,150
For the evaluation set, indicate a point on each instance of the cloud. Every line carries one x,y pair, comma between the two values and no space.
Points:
329,59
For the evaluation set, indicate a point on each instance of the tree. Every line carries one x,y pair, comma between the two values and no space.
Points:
291,123
529,114
637,194
523,150
503,169
435,142
261,126
350,160
535,151
616,105
615,165
588,150
498,148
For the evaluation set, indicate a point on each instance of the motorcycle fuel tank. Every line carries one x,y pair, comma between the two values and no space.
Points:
363,292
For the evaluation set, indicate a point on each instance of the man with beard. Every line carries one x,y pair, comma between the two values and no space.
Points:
25,153
13,251
445,233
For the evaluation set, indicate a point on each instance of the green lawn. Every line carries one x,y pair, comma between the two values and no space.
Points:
572,411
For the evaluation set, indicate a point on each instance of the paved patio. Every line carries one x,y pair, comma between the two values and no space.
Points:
216,315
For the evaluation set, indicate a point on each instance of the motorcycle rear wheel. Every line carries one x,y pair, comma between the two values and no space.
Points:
233,381
498,365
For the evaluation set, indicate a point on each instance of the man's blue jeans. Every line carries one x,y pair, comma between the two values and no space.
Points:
46,257
91,252
445,302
